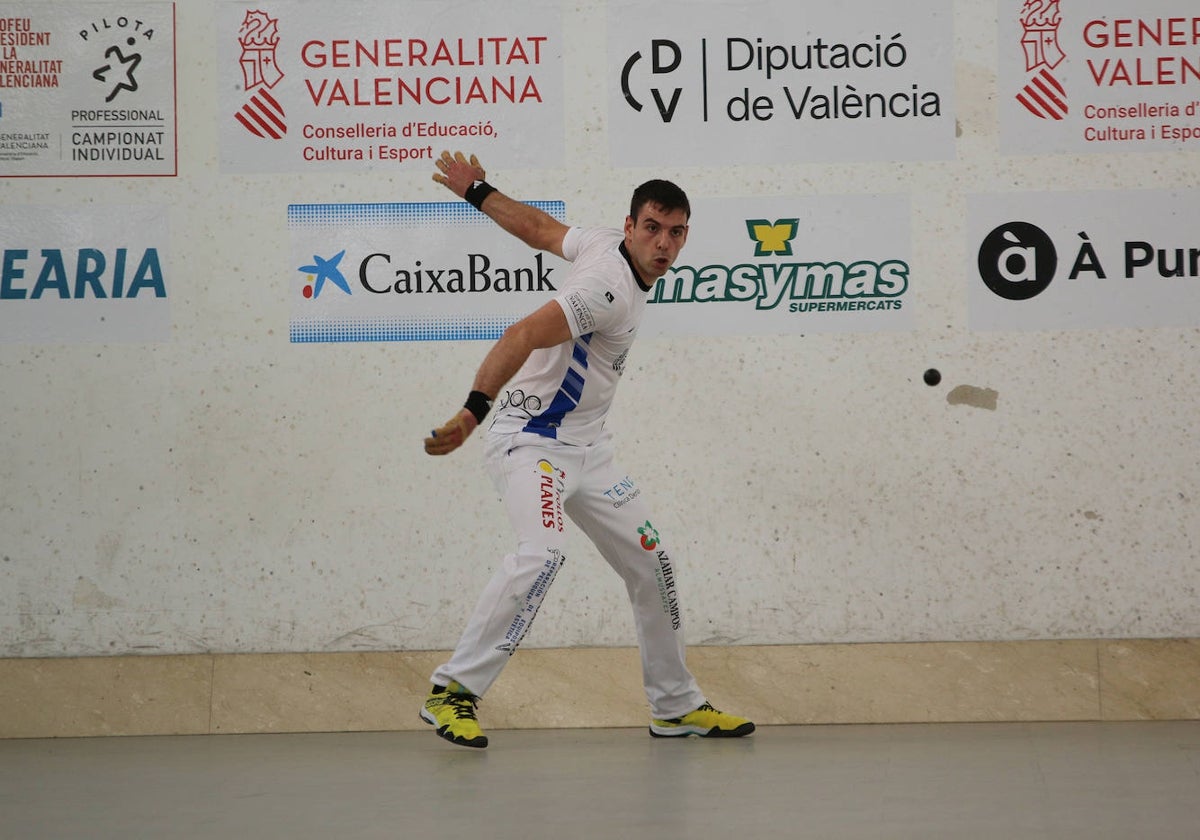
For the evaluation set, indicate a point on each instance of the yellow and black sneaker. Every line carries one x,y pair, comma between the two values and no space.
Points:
451,709
706,722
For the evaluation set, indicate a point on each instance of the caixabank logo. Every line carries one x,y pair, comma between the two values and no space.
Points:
401,272
783,277
384,273
388,294
323,270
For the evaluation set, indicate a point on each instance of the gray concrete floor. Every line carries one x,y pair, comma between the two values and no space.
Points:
973,781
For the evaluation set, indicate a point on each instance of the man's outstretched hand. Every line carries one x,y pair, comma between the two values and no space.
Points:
449,437
456,172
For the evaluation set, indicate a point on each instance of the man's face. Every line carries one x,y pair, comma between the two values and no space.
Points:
655,239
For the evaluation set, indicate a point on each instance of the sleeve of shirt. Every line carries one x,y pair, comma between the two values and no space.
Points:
588,301
572,243
587,309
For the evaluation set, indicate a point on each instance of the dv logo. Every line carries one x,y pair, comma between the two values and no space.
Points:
1017,261
665,58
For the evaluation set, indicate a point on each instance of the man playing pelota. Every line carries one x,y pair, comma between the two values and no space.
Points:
554,374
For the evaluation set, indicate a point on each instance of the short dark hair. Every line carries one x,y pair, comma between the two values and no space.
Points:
666,195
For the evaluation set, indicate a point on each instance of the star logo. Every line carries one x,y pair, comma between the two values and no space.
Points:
772,238
127,63
322,270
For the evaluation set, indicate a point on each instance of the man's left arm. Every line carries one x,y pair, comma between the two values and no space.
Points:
467,179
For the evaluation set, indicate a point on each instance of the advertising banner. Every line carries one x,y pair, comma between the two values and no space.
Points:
87,89
710,82
380,86
1089,76
411,272
764,266
753,266
95,275
1091,260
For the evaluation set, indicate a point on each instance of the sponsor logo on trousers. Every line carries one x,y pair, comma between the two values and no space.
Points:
666,589
550,489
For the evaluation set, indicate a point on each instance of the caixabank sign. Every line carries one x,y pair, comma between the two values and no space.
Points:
433,271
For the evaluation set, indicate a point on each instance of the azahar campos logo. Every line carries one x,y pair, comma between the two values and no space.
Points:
649,537
1043,95
262,116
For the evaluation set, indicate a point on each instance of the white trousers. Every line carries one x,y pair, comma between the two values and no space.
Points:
539,481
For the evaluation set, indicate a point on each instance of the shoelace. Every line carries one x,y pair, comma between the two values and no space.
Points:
464,705
704,707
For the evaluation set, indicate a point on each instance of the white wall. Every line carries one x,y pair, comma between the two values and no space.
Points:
229,491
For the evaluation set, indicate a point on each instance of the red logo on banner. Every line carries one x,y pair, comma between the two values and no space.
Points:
262,116
1043,95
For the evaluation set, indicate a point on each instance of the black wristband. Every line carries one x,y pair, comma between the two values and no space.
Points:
479,404
477,192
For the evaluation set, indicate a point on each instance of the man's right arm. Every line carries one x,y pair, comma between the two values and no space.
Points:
535,228
545,327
